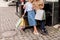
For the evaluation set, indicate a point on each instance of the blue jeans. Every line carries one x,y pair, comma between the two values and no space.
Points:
42,25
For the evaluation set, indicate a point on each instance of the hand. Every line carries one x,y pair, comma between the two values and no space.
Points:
22,15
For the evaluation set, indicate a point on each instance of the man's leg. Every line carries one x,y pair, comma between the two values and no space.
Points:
42,25
16,7
43,29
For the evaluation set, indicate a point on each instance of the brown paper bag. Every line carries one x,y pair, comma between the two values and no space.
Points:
22,24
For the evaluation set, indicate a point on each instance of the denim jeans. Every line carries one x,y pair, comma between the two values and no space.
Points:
31,18
42,25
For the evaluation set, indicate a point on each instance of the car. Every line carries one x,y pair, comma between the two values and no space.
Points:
13,3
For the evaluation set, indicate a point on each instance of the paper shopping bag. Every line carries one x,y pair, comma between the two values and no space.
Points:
40,15
22,24
18,22
44,16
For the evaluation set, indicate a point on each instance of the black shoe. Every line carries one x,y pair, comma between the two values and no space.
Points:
44,32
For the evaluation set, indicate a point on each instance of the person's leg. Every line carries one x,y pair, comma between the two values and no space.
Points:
42,25
43,29
32,21
22,10
35,30
16,7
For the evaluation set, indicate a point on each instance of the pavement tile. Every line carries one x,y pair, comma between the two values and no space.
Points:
7,25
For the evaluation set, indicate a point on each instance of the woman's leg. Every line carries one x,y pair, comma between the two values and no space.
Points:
32,21
35,30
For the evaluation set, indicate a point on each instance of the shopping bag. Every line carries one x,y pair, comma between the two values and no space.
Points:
40,15
44,16
18,23
22,24
26,22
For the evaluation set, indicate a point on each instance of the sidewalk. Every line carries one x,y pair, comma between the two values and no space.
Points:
8,31
4,3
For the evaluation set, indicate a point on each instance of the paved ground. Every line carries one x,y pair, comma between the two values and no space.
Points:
4,3
8,31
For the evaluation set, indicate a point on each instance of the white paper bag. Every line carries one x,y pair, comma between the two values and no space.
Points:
39,14
18,22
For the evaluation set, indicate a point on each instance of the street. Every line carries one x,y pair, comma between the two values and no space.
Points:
8,31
